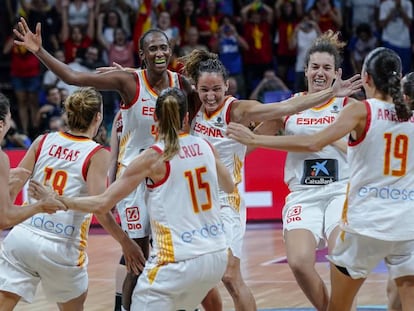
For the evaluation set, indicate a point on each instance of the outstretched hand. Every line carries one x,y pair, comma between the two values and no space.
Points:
134,257
26,38
342,88
240,133
115,66
46,197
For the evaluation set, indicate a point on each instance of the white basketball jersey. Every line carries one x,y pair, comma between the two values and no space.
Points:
381,187
184,207
232,153
139,129
304,170
62,162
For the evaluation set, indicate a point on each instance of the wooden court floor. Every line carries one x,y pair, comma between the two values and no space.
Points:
272,284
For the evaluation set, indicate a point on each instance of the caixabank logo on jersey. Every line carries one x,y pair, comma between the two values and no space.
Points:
319,171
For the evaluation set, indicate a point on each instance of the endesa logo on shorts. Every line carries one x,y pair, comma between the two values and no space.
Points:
132,216
294,213
207,231
48,225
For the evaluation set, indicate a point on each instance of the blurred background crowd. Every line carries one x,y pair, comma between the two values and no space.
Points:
262,43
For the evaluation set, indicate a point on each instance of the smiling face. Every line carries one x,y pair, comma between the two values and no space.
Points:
156,52
211,89
320,71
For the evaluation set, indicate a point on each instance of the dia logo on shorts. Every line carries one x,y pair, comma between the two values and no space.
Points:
294,213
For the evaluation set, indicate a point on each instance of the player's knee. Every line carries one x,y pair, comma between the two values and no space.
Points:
299,266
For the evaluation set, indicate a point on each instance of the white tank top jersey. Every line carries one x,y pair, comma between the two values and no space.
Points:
232,153
62,161
139,129
190,224
380,197
305,170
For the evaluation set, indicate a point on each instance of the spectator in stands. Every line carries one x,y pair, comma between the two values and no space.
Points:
327,15
52,108
74,37
14,139
257,20
288,15
120,50
26,82
187,17
191,40
395,19
172,32
208,23
361,11
126,10
360,45
231,46
78,12
106,23
270,82
40,11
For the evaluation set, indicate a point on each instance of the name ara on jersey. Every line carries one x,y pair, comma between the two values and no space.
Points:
385,114
62,153
208,131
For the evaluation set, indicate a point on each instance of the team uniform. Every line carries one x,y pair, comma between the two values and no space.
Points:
189,254
51,248
138,133
317,181
232,154
377,219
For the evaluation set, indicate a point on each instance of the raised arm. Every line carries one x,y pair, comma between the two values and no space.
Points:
134,174
118,80
352,118
247,110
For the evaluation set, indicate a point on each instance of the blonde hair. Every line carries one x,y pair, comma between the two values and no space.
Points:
170,110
